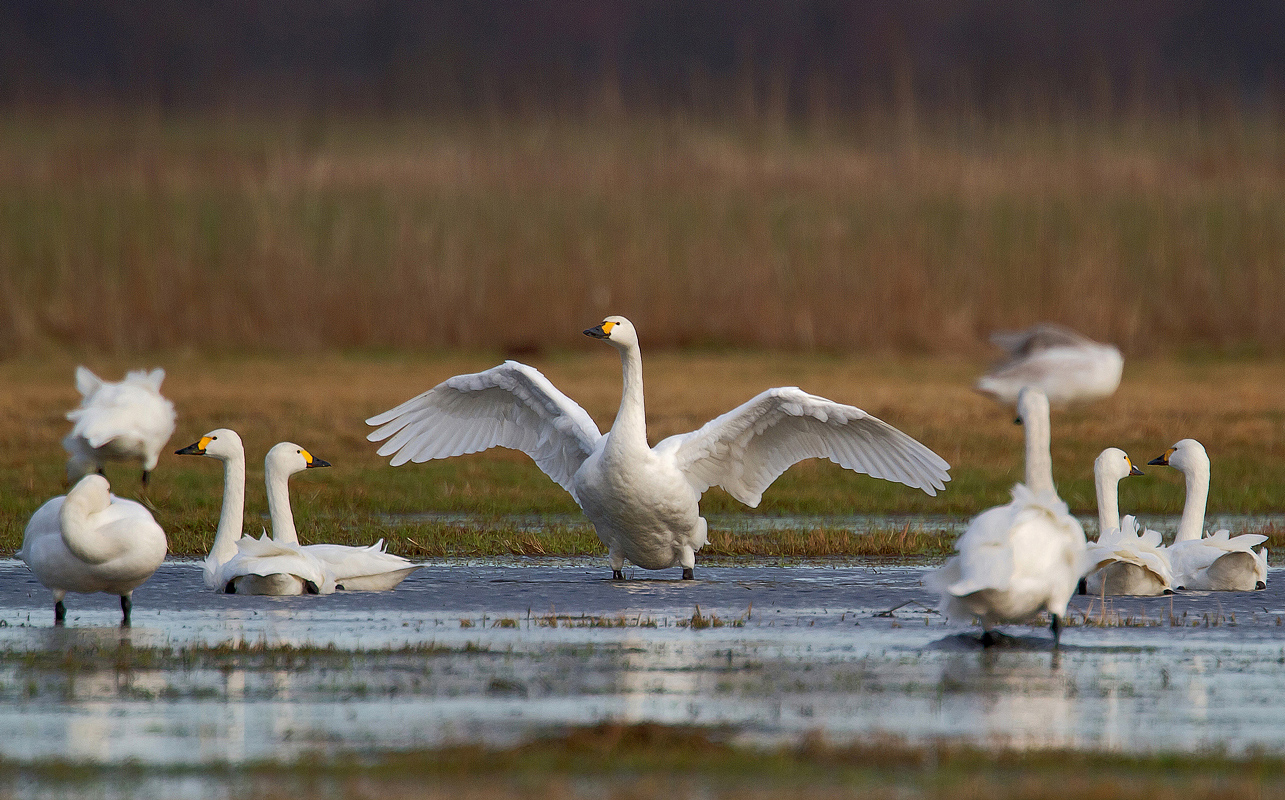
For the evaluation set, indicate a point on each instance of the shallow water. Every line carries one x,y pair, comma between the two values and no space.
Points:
504,651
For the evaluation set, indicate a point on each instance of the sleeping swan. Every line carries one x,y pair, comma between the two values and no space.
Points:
364,569
1220,562
644,501
118,421
250,566
91,541
1067,367
1019,559
1125,560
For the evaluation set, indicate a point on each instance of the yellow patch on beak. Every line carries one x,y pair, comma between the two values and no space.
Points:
307,457
204,443
607,326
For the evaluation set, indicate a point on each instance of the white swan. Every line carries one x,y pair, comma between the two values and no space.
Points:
644,501
118,421
90,541
1017,560
239,565
1065,366
1125,560
358,569
1220,562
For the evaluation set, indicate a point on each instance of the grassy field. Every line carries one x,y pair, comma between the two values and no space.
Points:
320,401
128,231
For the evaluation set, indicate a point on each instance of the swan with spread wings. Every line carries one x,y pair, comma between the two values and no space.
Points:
644,501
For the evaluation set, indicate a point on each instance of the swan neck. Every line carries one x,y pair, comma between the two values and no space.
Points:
81,535
1039,461
631,419
1108,492
283,530
231,518
1192,525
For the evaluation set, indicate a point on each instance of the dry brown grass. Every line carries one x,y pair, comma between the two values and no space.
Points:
128,233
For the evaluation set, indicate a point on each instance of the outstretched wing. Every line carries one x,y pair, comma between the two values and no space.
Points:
511,405
1045,336
747,448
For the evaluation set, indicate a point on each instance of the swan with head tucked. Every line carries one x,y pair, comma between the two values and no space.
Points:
239,565
1066,366
644,501
357,569
90,541
118,421
1017,560
1218,562
1125,560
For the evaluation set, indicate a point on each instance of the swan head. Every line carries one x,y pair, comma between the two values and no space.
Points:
616,331
222,444
1032,404
1113,464
287,458
91,493
1187,455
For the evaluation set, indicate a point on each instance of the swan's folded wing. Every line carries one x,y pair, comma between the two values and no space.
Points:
747,448
511,405
344,561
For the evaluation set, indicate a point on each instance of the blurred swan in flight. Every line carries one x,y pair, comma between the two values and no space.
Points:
366,569
118,421
90,541
1125,560
1065,366
239,565
1219,562
1020,559
644,501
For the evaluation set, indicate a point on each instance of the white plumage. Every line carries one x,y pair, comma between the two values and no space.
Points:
366,569
1218,562
1125,559
91,541
118,421
644,501
237,565
1020,559
1065,366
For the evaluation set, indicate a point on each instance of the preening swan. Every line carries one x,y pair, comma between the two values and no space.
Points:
1020,559
118,421
1065,366
1125,560
367,569
91,541
1220,562
644,501
238,565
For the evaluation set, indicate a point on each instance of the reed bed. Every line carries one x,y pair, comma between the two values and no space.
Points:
132,232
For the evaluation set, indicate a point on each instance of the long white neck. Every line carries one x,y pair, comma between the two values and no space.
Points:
1039,461
630,427
1108,492
231,518
283,531
83,538
1192,525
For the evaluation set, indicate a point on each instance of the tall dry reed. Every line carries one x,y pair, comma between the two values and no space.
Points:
129,233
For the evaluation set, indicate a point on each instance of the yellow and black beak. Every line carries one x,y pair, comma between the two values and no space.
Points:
602,331
1134,470
196,448
313,462
1163,460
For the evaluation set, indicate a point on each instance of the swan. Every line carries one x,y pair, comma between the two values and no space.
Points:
644,501
118,421
91,541
1019,559
1065,366
1219,562
367,569
239,565
1125,559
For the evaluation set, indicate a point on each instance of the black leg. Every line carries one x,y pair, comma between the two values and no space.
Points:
311,588
1082,587
1056,627
145,474
617,575
988,639
231,587
689,574
60,613
126,605
1260,585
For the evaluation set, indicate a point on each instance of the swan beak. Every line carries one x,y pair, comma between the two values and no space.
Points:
314,462
601,331
1135,471
194,449
1163,460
